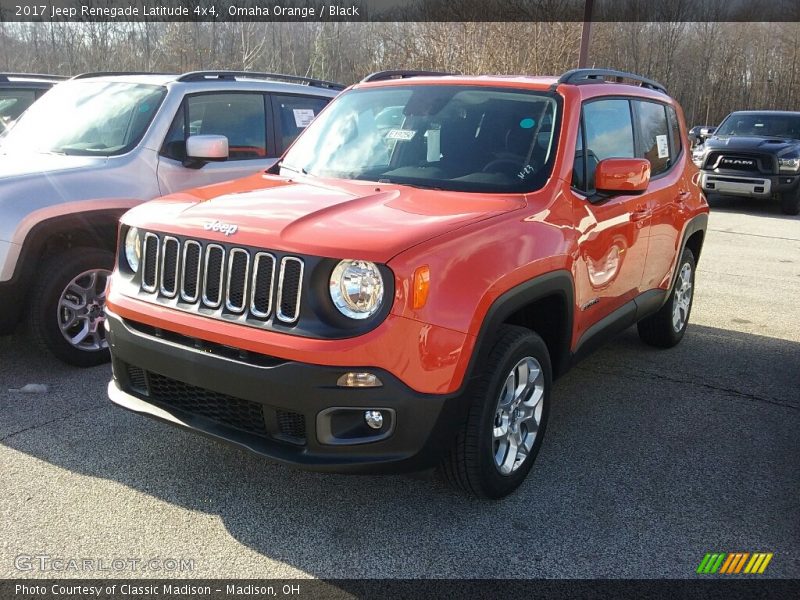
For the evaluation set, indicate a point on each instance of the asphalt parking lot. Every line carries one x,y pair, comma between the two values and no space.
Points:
652,458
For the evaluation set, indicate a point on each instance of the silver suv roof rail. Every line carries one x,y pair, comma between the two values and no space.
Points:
5,76
115,73
400,74
232,75
584,76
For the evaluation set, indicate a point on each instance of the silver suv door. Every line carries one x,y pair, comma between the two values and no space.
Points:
242,117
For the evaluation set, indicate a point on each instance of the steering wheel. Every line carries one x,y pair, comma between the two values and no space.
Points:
501,165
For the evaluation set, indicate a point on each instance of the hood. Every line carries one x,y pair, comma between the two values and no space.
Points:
318,217
22,165
767,145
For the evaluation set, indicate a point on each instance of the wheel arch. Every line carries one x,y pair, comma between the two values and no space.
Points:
544,304
94,229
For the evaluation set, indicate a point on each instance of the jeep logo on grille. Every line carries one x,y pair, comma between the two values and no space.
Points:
737,162
226,228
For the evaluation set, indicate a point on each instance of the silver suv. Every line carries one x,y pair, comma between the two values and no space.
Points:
99,144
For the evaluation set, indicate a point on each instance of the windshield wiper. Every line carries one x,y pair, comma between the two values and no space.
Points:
300,170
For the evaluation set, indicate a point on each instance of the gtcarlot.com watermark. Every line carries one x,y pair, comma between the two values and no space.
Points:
47,563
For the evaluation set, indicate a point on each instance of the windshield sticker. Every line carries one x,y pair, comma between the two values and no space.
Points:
303,116
403,135
527,123
663,146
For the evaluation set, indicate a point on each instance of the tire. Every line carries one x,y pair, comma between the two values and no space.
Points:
50,302
471,464
790,203
666,328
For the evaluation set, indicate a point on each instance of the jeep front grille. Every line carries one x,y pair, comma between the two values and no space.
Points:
221,281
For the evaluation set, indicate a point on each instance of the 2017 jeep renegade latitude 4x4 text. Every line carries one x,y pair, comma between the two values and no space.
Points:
402,288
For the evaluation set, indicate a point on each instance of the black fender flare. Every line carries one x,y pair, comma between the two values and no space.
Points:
695,224
97,228
554,283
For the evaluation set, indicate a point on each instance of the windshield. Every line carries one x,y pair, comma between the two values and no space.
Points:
87,118
466,138
761,125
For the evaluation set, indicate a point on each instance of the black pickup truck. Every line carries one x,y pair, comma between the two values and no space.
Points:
755,154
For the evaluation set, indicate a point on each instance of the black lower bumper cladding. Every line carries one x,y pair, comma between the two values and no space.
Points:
283,410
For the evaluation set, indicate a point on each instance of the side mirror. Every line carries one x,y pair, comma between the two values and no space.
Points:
622,176
201,149
707,132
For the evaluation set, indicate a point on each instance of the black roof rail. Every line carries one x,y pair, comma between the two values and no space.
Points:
5,76
232,75
583,76
401,74
115,73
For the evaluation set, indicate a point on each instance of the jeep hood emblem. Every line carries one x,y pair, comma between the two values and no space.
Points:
226,228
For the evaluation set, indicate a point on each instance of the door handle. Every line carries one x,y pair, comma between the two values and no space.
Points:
682,196
640,214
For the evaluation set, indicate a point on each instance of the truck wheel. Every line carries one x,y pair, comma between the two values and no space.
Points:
509,404
67,306
666,327
790,203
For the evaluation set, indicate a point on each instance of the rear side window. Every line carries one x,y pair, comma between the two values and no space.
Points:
239,117
293,114
608,134
13,103
653,135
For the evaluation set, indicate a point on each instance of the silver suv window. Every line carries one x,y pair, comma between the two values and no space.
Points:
87,118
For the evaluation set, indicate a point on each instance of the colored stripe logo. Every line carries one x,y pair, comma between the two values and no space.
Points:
734,563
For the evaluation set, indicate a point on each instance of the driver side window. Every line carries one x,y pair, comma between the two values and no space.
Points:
607,129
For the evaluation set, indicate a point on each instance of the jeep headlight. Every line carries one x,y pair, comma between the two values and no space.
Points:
133,248
356,288
697,156
789,165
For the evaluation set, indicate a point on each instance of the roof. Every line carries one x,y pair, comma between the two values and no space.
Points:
788,113
277,81
597,79
30,78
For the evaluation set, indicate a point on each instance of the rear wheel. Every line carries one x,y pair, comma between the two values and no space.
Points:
666,327
790,203
509,405
67,306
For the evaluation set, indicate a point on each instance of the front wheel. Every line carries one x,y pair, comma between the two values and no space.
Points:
509,405
67,306
666,327
790,203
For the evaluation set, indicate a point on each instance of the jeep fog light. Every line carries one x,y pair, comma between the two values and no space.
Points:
361,380
356,288
374,419
133,248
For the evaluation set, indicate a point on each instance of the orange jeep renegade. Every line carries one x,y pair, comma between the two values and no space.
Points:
401,289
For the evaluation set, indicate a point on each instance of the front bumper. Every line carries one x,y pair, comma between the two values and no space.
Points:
753,185
288,411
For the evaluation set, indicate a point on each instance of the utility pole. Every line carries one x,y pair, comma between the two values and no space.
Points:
586,34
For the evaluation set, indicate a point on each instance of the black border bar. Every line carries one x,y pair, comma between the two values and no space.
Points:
712,588
399,10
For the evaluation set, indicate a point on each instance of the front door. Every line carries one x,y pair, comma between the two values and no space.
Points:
612,233
242,117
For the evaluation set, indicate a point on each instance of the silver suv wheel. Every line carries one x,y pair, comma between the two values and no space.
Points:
81,310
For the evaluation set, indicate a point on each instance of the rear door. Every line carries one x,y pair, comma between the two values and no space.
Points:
659,141
243,117
612,232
